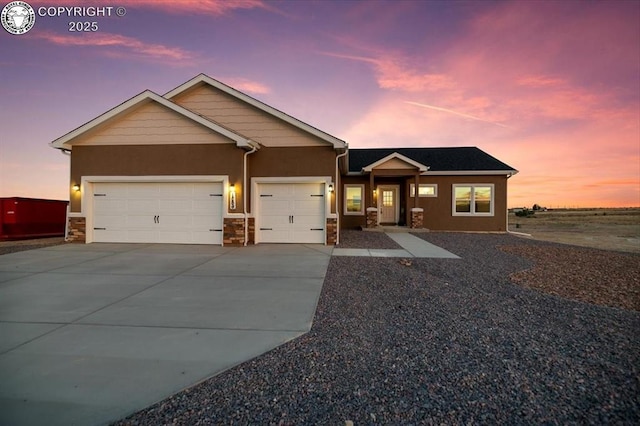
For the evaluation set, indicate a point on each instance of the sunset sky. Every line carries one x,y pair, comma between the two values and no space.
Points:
552,88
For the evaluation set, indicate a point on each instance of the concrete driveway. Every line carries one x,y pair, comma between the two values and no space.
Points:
92,333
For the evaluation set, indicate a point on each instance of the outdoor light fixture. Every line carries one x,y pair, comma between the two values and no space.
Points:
232,197
330,187
76,187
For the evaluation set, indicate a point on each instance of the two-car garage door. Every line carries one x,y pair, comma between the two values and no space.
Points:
157,212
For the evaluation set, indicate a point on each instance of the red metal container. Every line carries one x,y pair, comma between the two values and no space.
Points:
22,218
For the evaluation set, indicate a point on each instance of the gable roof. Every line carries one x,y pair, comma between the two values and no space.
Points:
398,156
205,79
454,160
148,96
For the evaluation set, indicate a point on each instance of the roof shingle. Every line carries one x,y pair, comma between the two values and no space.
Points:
453,159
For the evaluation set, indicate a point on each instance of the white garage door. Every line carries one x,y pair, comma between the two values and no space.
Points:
149,212
291,213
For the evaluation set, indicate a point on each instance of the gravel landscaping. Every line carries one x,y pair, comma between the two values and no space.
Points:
441,341
14,246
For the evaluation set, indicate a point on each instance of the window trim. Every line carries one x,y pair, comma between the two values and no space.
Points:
473,186
362,206
412,190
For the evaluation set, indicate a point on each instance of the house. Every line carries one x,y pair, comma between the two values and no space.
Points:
208,164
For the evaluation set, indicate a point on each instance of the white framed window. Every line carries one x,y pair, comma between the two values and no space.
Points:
354,199
473,200
424,190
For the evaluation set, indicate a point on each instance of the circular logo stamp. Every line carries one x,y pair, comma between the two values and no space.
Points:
18,17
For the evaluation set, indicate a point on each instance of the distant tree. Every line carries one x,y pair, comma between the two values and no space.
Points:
524,213
536,207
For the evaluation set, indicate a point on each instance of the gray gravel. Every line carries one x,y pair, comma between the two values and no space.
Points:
443,341
13,246
366,239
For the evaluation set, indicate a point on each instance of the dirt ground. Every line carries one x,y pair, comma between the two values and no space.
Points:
606,229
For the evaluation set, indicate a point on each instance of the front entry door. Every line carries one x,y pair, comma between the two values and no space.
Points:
388,204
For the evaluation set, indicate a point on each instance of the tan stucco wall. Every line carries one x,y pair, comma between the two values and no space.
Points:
248,120
437,210
289,162
152,160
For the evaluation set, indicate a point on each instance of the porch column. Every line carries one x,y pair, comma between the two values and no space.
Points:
371,189
417,185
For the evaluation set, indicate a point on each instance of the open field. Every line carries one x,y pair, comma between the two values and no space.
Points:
606,229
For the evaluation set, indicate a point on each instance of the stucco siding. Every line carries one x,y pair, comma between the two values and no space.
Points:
159,160
243,118
438,211
293,162
151,123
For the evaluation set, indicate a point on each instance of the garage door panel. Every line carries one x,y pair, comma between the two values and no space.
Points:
110,236
167,212
108,205
138,221
212,204
141,236
142,206
111,220
310,206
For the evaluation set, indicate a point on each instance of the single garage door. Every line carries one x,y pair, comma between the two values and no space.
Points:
291,213
157,212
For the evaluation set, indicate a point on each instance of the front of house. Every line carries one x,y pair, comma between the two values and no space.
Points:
207,164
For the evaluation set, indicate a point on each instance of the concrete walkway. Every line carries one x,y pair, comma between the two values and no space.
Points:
412,246
92,333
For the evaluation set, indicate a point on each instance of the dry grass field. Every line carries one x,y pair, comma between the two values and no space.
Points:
606,229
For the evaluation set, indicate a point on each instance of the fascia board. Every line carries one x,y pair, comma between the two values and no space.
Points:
142,97
398,156
470,173
203,78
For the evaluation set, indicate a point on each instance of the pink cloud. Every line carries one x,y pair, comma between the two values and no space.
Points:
122,45
182,7
245,85
539,81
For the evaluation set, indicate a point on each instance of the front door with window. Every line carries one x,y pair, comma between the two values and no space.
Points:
388,203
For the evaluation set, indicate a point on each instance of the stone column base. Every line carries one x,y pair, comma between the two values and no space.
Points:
77,230
332,231
417,218
372,217
233,231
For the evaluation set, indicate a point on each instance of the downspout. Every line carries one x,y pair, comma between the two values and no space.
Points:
521,234
336,192
66,222
254,148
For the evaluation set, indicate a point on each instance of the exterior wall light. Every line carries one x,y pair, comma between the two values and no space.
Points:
76,187
330,188
232,197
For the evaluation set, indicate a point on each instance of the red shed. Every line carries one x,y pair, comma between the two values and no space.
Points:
32,218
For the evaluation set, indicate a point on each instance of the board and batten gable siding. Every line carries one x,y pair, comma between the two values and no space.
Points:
150,124
243,118
156,160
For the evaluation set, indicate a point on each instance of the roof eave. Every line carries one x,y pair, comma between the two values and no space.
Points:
469,172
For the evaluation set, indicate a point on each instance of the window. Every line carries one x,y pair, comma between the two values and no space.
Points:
473,200
424,190
354,199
